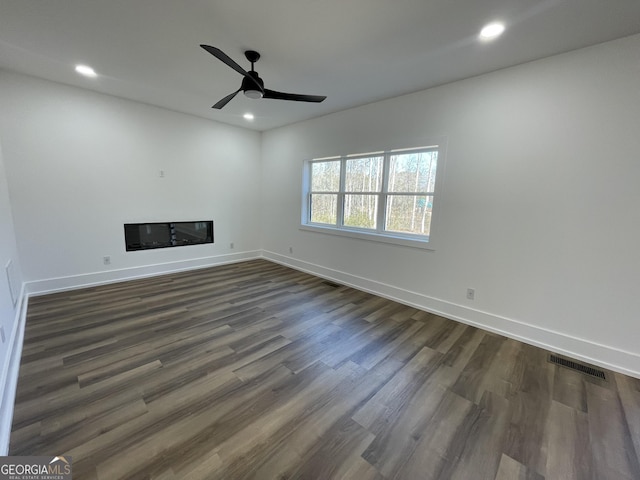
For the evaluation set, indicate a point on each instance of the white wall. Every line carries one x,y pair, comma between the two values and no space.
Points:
9,308
8,253
540,210
81,164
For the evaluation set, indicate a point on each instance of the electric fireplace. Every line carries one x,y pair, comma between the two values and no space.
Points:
145,236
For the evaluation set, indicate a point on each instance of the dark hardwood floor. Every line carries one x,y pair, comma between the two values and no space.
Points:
257,371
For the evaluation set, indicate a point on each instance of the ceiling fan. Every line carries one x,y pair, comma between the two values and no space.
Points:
252,85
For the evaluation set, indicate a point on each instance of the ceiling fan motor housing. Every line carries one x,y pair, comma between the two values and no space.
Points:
250,86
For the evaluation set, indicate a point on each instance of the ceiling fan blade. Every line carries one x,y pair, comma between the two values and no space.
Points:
225,100
292,96
223,57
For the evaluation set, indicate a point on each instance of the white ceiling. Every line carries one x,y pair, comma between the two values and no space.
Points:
353,51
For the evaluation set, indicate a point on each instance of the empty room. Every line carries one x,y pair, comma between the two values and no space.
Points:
320,240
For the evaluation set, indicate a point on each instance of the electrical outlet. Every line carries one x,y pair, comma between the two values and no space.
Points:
290,249
471,293
4,339
231,245
106,260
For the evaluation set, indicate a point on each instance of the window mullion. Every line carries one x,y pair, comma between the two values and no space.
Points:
307,176
341,188
382,198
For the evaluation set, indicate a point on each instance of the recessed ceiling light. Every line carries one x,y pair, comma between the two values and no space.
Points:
491,31
248,116
86,71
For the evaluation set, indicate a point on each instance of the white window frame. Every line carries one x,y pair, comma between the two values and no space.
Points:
378,234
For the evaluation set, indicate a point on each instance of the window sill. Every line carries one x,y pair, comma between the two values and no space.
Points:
371,237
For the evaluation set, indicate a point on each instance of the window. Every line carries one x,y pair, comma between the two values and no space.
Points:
386,196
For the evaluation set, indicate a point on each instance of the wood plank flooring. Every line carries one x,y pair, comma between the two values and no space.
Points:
257,371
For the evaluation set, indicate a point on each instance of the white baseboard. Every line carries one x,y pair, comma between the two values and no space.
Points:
73,282
595,353
9,374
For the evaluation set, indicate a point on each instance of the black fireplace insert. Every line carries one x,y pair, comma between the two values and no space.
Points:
144,236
